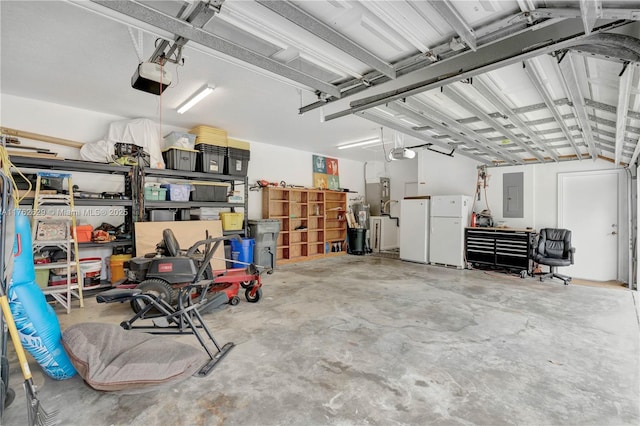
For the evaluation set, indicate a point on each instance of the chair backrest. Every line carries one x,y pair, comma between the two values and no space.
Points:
555,242
170,242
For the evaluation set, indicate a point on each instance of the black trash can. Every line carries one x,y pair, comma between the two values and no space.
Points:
356,240
265,233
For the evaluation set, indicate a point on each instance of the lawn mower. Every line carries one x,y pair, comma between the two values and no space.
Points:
167,270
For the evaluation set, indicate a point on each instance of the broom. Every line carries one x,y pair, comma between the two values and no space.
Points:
36,414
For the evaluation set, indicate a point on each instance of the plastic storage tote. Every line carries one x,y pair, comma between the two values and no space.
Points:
231,221
179,140
209,191
236,162
153,193
180,159
210,158
177,191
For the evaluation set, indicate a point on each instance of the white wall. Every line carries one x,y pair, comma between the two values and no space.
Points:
267,162
443,175
540,191
541,200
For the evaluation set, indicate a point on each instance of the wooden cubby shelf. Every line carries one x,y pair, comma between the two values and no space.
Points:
321,213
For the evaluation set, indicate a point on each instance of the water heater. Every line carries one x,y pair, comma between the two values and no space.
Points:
377,194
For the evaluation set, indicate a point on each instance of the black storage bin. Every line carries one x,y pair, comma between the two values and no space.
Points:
236,162
209,191
180,159
210,158
162,215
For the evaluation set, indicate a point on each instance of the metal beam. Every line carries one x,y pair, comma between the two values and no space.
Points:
467,104
495,100
610,108
455,21
490,33
421,136
546,96
202,13
631,13
487,148
590,10
181,28
323,31
569,78
624,91
540,106
612,124
456,126
469,64
636,152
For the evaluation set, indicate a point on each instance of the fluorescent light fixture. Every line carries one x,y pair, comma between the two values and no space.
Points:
195,98
359,143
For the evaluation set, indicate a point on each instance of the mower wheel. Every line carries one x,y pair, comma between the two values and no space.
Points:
155,287
234,300
256,297
247,284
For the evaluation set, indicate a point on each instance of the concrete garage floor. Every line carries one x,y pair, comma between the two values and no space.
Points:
375,341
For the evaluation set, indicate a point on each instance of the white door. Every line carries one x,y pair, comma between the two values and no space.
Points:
414,230
446,241
588,206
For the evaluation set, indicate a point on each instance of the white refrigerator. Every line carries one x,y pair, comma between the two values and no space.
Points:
450,214
414,230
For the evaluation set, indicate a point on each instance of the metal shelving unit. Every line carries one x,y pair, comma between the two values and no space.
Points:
131,204
178,175
84,167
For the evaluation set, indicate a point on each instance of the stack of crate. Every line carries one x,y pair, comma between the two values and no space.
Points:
237,159
178,152
211,144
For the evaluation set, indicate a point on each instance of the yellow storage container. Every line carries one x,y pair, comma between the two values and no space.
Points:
209,136
234,143
231,221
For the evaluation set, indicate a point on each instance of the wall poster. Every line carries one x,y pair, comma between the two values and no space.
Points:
325,173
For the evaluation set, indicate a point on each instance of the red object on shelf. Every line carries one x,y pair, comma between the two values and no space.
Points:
83,233
474,220
55,280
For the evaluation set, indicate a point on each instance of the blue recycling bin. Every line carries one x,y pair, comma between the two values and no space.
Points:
242,252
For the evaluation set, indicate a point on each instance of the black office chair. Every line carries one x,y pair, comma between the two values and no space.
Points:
554,249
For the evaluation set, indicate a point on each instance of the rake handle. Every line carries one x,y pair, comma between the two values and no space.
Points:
15,337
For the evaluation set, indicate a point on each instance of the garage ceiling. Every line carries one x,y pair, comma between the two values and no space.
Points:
502,82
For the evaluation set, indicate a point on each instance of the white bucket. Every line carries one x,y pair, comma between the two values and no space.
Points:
91,268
